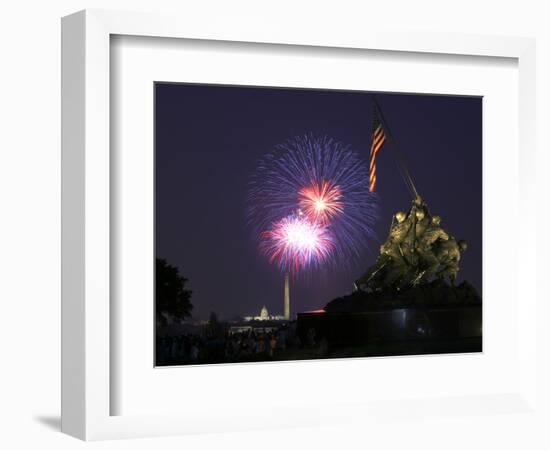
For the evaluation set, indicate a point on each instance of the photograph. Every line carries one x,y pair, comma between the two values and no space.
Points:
303,224
296,225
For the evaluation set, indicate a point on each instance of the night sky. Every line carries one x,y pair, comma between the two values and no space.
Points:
208,140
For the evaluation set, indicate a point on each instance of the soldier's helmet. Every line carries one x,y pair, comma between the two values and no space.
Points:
400,216
436,220
462,245
420,214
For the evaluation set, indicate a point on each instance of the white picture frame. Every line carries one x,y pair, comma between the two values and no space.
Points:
86,220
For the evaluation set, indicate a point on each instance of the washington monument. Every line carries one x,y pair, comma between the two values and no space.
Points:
287,298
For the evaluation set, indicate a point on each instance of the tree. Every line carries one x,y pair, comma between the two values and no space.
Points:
172,299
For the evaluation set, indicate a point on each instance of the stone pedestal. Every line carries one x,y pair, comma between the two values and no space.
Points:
409,330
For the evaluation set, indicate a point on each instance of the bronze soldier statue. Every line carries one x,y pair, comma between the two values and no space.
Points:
391,260
448,253
417,250
428,261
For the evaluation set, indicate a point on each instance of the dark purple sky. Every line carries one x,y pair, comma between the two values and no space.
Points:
209,139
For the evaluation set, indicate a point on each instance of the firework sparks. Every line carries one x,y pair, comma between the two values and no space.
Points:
321,201
322,182
295,243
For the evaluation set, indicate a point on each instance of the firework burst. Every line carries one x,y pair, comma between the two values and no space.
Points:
295,243
321,201
322,185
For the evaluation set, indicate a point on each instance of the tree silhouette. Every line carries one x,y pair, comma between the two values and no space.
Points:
172,299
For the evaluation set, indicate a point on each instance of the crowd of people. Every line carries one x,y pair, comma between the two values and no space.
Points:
226,347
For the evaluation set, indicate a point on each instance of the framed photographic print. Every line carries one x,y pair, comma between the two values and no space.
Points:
273,245
299,214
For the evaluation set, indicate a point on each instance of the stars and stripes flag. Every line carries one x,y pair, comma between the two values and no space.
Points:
378,139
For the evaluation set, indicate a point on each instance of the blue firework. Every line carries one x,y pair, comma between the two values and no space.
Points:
325,182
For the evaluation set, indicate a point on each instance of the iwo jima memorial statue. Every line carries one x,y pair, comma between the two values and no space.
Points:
408,302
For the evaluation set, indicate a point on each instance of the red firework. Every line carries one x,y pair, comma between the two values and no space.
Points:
321,201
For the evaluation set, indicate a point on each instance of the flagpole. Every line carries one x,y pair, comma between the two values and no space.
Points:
400,158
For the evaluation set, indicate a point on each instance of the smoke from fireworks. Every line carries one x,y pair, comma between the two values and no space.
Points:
309,204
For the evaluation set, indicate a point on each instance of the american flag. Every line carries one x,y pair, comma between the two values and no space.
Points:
378,139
